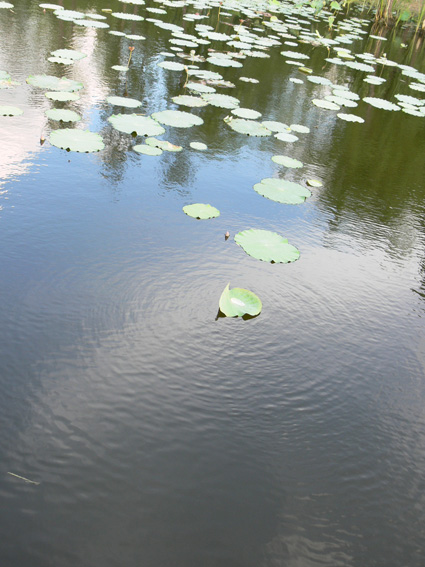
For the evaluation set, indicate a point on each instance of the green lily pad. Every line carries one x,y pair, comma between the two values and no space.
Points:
282,191
74,140
163,145
249,80
299,128
53,83
191,101
171,65
62,96
177,118
294,55
136,125
288,161
286,137
237,302
121,68
6,5
350,117
60,60
248,127
68,54
267,246
275,126
360,66
123,101
63,115
125,16
381,103
200,88
10,111
147,150
326,104
198,146
221,100
201,211
247,113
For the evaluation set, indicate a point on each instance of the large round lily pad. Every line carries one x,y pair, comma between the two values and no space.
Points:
201,211
282,191
237,302
136,125
177,118
53,83
74,140
266,245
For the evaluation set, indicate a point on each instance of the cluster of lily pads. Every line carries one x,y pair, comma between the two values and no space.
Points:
261,27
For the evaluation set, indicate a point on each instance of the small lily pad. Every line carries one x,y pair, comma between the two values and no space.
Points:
286,137
221,100
314,183
121,68
62,115
68,54
248,127
275,126
237,302
282,191
123,101
163,145
201,211
350,117
177,118
191,101
171,65
136,125
10,111
200,88
247,113
267,246
326,104
287,161
74,140
147,150
198,146
62,96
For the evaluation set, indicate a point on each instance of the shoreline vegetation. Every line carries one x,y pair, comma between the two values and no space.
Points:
388,13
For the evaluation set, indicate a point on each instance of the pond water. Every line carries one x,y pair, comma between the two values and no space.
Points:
158,433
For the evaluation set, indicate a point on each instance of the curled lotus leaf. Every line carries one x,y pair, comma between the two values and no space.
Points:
163,145
248,127
62,115
191,101
177,118
221,100
147,150
53,83
282,191
288,161
201,211
74,140
124,101
136,125
62,96
10,111
267,246
237,302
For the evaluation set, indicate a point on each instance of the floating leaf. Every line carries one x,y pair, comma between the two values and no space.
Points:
299,128
266,245
381,103
62,96
287,161
124,16
282,191
201,211
6,5
163,145
124,101
326,104
10,111
246,113
52,83
221,100
237,302
200,88
319,80
147,150
121,68
74,140
191,101
248,80
350,117
68,54
63,115
136,125
248,127
276,126
198,146
286,137
177,118
294,55
314,183
171,65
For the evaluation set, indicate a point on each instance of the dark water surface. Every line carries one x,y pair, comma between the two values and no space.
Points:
158,435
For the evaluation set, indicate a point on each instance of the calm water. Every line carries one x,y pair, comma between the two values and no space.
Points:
159,435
